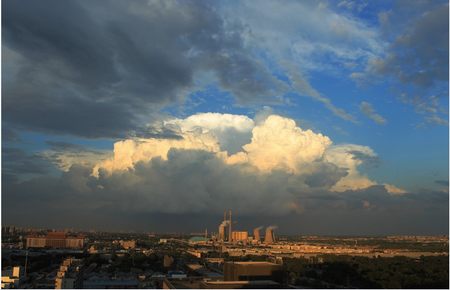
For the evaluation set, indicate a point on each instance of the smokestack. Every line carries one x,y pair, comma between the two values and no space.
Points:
229,229
222,230
270,237
256,235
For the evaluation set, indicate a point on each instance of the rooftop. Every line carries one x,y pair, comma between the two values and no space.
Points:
255,263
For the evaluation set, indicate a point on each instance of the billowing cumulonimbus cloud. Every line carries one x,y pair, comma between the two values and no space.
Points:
129,152
194,175
279,168
277,144
231,131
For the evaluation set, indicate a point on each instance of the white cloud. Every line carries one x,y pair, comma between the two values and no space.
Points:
128,153
306,31
65,160
231,131
277,145
213,122
394,189
300,37
344,156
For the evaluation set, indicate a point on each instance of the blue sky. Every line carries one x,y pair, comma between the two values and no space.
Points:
372,75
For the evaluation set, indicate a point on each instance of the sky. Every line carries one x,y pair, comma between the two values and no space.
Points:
319,117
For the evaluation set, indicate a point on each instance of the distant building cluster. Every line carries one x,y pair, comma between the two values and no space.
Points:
55,240
226,234
8,230
228,259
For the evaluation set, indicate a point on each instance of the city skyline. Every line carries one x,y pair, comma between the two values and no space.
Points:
319,117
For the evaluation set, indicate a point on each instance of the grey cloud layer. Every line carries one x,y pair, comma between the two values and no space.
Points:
418,55
96,69
16,161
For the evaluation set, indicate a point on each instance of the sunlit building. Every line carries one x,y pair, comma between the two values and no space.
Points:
36,242
128,244
12,277
239,236
68,275
55,240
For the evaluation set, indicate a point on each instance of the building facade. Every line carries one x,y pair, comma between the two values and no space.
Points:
55,240
250,271
239,236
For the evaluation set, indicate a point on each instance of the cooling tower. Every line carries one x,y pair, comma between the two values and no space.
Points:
256,235
221,231
270,237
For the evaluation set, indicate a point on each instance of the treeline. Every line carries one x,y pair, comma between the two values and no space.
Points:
380,243
362,272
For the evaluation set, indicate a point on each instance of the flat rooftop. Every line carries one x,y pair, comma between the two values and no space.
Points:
254,263
253,282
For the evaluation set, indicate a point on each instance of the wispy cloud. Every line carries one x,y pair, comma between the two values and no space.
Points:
370,112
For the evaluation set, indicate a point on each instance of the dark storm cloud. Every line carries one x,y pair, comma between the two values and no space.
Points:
98,69
9,135
16,161
419,56
442,182
149,132
368,160
196,184
326,175
59,145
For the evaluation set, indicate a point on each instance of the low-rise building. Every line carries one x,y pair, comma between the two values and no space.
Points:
12,277
239,236
68,275
249,271
102,282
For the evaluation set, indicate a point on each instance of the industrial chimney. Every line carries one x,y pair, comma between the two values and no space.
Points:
229,229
